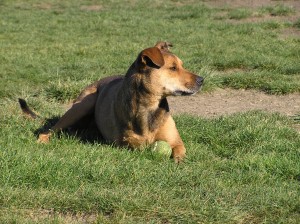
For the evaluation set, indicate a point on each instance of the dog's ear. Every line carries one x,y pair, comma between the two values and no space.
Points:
152,57
163,46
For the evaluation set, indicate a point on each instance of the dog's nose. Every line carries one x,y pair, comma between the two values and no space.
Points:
199,80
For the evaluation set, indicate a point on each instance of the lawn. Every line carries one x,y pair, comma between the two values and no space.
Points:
243,168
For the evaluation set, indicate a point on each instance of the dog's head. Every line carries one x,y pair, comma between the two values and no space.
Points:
163,72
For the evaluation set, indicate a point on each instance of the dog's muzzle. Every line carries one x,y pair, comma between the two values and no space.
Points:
190,88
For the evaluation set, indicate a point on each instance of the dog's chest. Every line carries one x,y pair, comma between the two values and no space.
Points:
142,131
136,140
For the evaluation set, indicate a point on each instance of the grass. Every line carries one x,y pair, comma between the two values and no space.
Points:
242,168
43,42
278,10
239,13
297,24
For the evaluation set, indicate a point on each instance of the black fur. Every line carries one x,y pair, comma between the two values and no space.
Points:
26,109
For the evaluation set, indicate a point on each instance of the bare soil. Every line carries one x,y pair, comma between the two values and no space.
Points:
255,4
229,101
252,3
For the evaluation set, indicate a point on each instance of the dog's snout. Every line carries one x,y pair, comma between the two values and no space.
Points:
199,80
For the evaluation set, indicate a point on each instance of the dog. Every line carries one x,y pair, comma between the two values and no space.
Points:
132,110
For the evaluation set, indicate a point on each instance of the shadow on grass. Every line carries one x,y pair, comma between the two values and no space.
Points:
85,130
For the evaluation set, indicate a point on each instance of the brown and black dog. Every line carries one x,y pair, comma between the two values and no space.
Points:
132,110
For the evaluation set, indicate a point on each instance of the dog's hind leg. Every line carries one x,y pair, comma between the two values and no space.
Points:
83,105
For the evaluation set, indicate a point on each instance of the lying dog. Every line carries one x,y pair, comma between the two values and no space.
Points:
132,110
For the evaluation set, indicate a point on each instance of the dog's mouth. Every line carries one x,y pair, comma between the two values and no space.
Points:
189,89
187,92
183,93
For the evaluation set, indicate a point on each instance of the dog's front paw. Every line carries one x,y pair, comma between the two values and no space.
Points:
178,153
178,158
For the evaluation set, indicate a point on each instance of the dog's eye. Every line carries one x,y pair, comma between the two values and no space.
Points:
173,68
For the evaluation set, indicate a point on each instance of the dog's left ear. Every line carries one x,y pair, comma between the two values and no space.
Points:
152,57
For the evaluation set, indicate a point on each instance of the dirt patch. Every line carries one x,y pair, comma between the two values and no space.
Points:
290,32
252,3
94,8
43,6
44,215
228,101
256,17
264,18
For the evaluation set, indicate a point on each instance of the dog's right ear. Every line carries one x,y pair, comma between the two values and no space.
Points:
152,57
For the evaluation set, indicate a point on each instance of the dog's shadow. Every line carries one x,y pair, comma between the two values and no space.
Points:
85,130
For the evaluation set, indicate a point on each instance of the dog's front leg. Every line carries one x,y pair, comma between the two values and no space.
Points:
178,153
169,133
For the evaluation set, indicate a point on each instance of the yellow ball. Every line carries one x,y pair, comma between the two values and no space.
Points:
161,150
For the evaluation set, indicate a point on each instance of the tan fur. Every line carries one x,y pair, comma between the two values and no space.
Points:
132,110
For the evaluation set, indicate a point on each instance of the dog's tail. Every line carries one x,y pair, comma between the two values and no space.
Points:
26,110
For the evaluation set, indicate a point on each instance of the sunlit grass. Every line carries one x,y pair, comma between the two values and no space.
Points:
240,169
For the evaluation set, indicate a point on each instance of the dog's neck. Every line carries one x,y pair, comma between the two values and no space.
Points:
146,110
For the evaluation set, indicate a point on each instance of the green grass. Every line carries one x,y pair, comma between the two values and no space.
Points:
41,43
240,169
239,13
297,24
278,10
